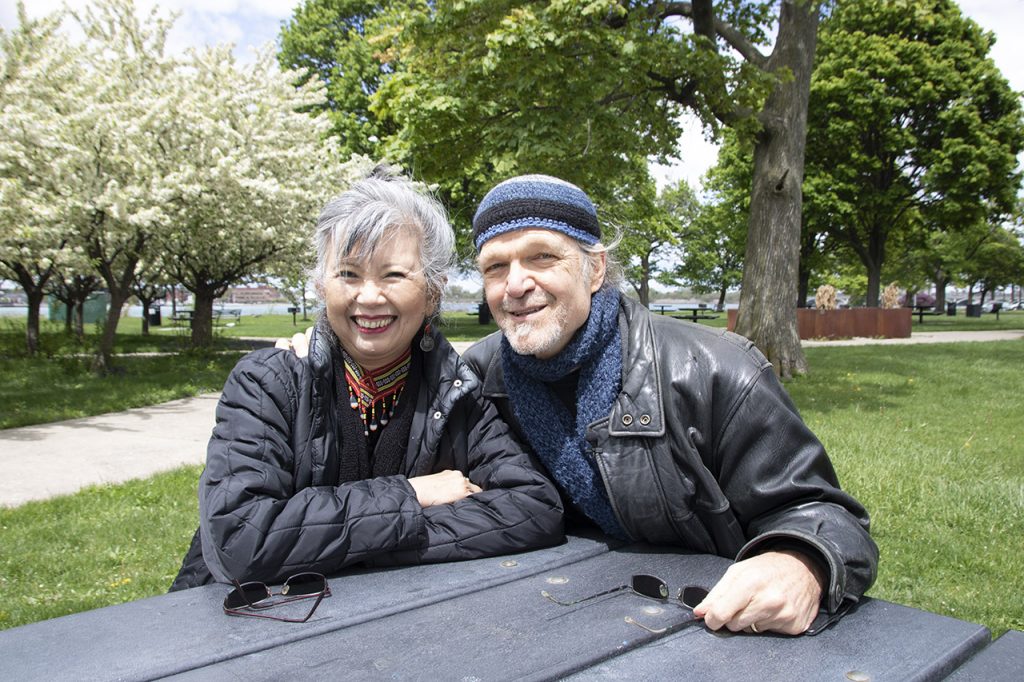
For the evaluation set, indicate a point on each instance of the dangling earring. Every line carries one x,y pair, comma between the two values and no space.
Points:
426,341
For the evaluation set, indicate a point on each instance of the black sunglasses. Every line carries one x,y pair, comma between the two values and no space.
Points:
649,586
247,598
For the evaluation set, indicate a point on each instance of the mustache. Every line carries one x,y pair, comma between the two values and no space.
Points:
518,305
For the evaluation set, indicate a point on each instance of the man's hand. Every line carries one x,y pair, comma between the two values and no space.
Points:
299,343
442,488
774,591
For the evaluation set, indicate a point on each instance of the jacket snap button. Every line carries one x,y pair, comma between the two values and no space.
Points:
627,419
437,415
457,383
645,419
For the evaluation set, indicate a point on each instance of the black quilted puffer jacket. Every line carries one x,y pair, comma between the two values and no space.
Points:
271,505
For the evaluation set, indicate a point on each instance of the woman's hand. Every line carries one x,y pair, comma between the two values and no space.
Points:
443,487
299,343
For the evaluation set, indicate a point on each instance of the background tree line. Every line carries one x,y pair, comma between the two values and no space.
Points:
125,168
912,134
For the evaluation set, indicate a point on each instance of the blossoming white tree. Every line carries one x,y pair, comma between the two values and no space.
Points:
251,172
39,98
116,151
120,187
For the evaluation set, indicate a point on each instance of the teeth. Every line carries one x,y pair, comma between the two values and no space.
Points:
374,324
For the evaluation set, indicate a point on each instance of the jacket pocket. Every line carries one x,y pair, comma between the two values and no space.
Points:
651,497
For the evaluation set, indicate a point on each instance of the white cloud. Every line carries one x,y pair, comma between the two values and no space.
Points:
247,25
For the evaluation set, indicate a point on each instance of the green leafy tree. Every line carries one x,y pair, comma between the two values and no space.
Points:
910,124
999,262
328,39
713,241
648,223
579,88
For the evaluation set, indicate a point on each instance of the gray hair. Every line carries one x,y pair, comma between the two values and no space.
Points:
614,275
364,217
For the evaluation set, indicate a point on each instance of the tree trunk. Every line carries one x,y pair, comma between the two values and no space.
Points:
35,299
941,280
202,319
721,300
802,287
69,317
79,316
104,361
34,292
767,314
644,290
874,284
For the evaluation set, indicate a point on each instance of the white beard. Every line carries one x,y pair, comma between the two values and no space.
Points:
535,338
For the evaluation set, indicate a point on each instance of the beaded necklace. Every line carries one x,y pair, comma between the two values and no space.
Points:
375,394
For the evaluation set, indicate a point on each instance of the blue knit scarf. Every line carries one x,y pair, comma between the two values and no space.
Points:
561,445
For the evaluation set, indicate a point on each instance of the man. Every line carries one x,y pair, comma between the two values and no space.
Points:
659,430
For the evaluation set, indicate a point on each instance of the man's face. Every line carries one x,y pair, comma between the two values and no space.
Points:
535,285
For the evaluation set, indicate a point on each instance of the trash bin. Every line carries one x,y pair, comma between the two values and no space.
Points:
973,310
951,309
154,316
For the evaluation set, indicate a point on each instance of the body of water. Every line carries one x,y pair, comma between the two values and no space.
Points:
248,309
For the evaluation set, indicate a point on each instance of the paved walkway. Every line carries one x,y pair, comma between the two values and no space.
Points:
41,461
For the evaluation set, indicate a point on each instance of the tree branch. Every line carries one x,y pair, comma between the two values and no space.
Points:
705,23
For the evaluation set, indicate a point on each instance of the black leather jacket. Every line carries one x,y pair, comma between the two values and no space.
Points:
271,505
704,449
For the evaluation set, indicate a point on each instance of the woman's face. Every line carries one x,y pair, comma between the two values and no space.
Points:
376,306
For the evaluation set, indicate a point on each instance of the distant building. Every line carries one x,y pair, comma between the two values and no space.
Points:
15,297
258,294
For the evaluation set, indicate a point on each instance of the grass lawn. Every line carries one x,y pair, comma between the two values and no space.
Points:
930,439
58,384
927,437
456,326
104,545
37,391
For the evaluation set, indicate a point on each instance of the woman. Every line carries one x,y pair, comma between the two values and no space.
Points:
378,447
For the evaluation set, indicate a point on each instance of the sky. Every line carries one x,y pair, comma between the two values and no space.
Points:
251,23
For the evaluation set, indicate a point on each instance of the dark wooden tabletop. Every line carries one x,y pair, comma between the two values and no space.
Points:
485,620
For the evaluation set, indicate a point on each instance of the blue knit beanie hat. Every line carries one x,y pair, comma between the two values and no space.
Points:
536,201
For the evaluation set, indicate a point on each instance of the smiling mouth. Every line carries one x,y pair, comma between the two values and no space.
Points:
374,323
525,312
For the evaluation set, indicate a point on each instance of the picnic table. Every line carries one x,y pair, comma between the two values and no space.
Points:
922,310
488,620
186,316
685,312
694,313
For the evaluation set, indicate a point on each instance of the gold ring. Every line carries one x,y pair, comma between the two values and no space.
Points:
753,628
